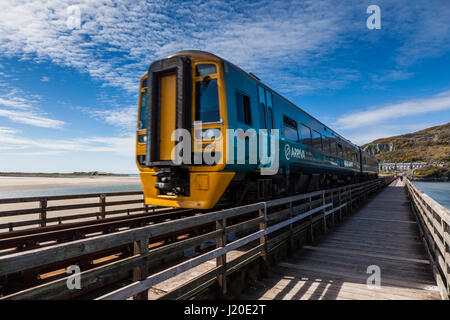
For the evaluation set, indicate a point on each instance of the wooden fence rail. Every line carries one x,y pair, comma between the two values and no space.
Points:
266,225
51,210
434,222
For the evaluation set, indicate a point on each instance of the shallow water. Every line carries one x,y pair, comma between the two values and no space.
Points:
439,191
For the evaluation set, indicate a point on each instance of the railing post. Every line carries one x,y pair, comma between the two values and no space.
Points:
221,261
340,203
43,212
311,229
140,272
446,254
324,219
350,199
291,228
333,215
102,206
263,240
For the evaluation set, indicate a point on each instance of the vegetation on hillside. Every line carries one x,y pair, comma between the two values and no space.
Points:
441,173
428,145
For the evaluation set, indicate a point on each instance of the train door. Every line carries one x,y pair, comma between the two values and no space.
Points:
168,112
266,114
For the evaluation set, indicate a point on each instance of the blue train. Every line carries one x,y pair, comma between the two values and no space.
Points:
212,99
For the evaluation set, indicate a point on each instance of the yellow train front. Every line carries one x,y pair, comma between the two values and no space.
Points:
194,99
179,92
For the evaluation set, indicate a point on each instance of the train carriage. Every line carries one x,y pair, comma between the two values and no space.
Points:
210,97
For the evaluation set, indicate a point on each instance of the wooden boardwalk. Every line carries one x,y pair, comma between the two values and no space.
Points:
383,233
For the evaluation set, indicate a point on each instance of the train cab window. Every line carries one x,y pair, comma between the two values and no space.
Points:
243,108
305,131
205,69
143,111
317,140
290,130
207,101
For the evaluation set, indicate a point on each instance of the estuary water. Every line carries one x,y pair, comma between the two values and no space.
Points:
69,191
439,191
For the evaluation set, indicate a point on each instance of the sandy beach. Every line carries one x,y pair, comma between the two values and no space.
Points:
29,183
26,184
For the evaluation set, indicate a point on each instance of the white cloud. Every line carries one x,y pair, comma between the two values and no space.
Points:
118,40
409,108
30,118
13,143
18,109
45,79
123,118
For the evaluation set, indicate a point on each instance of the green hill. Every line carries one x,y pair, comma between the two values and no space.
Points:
428,145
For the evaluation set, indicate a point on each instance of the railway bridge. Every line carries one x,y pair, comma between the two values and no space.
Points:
381,239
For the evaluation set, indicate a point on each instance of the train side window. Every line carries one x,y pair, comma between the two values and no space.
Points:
305,131
205,69
270,111
340,151
243,108
333,146
143,111
290,130
207,101
263,116
326,144
317,140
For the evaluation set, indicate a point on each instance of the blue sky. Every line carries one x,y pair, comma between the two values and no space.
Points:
68,95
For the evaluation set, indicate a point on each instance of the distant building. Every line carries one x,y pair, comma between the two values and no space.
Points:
405,166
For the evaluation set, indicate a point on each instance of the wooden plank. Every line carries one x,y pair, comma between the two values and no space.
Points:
308,286
367,254
334,274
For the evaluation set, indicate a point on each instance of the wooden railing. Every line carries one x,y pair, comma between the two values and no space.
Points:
434,223
257,230
42,211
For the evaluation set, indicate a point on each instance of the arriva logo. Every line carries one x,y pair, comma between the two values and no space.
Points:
292,152
287,152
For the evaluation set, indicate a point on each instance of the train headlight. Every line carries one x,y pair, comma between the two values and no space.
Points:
208,134
142,138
